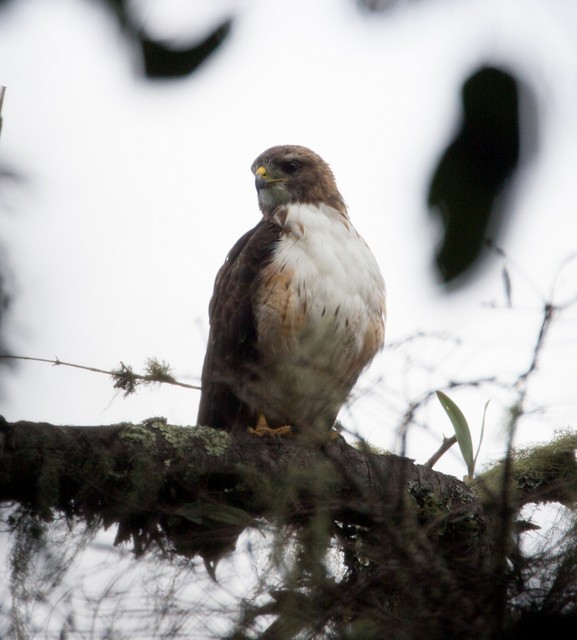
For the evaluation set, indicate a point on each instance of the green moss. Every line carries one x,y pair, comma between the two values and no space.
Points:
215,441
429,503
138,434
365,447
547,471
439,507
169,433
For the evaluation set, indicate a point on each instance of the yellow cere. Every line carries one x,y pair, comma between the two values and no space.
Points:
261,171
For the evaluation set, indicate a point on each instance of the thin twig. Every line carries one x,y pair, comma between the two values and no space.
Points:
507,500
447,444
117,374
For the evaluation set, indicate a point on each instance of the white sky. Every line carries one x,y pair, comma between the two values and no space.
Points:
137,190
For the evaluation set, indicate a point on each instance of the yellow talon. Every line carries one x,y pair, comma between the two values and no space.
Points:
262,429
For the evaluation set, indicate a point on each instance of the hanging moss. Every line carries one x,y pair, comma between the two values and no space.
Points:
547,472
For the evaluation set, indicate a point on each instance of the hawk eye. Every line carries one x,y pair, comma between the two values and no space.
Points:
290,166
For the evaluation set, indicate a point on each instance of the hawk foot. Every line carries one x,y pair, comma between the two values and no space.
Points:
262,429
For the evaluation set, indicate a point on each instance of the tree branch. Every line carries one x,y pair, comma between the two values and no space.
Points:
182,484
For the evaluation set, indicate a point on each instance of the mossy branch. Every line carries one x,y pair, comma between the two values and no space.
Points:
149,478
538,474
143,476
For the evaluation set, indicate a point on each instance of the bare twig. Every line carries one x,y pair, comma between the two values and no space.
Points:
124,377
507,507
447,444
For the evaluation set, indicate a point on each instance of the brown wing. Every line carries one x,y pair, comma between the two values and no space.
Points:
232,354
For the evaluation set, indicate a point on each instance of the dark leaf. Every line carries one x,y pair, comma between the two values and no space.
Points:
163,60
474,170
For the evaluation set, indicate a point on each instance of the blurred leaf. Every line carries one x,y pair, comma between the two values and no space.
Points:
474,170
163,60
204,513
461,428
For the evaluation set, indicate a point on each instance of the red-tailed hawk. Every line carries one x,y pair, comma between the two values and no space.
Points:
298,307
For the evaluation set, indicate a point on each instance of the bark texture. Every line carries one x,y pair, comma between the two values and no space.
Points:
198,488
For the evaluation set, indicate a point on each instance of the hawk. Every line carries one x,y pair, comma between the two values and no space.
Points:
298,309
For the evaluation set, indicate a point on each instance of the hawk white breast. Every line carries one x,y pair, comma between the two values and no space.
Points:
298,309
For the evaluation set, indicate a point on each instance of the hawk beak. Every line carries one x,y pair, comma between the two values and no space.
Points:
263,178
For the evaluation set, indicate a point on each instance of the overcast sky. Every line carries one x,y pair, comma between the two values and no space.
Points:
135,191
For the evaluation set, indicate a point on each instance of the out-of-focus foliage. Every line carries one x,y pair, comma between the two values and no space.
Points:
474,170
161,58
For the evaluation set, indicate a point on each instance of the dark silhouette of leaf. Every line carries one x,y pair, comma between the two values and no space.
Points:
474,170
163,60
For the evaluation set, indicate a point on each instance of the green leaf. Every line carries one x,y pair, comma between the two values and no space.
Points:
207,514
482,433
462,431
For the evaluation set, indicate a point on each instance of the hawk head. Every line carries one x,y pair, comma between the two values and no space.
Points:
291,174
